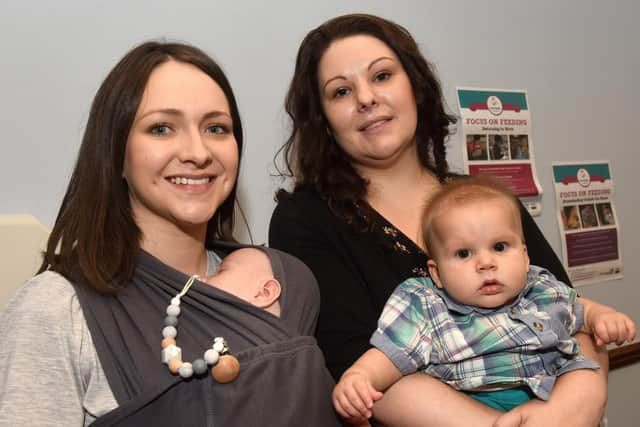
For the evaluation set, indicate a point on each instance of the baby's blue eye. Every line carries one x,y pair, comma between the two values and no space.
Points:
500,247
463,253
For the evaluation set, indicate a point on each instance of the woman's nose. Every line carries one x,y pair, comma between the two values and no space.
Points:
193,149
366,97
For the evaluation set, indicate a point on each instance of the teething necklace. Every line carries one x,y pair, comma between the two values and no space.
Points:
224,366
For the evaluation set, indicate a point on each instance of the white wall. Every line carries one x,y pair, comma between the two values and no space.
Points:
576,58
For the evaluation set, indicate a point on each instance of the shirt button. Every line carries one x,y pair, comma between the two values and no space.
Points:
537,326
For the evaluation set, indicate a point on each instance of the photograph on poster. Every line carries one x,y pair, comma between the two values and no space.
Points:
498,147
570,218
605,214
477,147
588,216
519,147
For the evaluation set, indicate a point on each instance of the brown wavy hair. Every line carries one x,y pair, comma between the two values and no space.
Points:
312,156
95,239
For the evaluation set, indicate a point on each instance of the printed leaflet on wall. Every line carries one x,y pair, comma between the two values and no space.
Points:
496,124
588,222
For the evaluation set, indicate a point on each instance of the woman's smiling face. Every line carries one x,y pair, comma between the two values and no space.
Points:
181,159
368,100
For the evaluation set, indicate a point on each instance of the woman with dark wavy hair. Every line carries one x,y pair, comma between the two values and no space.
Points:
121,327
366,152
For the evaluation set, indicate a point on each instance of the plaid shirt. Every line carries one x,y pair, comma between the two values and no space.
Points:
527,342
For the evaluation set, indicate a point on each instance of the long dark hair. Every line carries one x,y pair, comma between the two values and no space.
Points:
95,239
311,155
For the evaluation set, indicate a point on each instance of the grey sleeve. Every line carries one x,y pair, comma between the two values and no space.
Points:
48,358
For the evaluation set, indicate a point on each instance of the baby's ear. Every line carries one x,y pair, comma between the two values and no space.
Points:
268,293
433,272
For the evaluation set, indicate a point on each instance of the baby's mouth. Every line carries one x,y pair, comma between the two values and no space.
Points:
491,287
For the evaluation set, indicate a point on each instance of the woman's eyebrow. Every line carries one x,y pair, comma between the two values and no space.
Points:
214,114
341,77
382,58
168,111
177,112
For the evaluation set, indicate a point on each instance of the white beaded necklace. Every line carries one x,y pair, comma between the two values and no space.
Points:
224,367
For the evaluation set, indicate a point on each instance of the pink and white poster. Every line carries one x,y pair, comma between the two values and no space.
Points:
496,124
588,222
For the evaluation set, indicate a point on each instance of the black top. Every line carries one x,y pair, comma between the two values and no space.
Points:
282,380
358,271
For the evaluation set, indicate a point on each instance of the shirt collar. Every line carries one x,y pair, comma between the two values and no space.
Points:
453,305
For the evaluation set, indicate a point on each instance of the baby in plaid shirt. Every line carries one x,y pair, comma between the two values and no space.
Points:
487,322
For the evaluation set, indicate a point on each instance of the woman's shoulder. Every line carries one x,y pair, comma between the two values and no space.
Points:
300,209
44,333
46,301
299,199
48,292
45,310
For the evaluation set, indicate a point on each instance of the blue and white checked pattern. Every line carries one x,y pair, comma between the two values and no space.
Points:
528,342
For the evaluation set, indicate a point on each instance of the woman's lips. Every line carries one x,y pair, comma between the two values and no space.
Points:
189,181
374,124
192,184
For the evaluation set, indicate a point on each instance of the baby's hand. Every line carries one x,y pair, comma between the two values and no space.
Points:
353,397
612,326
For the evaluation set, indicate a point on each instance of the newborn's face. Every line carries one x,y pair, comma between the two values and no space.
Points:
241,273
